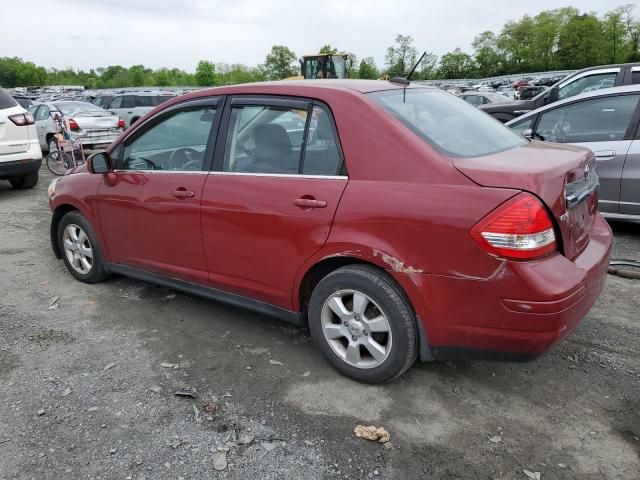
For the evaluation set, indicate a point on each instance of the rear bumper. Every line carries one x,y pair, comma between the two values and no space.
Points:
17,168
521,311
102,139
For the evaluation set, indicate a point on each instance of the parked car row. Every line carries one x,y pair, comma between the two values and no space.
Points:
86,123
586,80
605,121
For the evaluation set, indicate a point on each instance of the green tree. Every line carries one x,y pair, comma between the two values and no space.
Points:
205,73
328,49
613,34
368,69
401,57
488,58
279,63
456,64
580,43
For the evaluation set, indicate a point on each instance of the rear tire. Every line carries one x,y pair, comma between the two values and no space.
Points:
29,180
80,250
374,337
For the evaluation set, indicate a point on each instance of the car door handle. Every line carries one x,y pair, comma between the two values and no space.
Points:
309,203
605,154
182,193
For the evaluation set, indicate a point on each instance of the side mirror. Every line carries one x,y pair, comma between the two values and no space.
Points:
527,133
99,163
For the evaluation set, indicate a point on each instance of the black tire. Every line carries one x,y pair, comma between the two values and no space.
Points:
29,180
59,162
98,271
383,290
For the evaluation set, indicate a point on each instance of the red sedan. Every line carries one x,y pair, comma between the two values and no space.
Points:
395,221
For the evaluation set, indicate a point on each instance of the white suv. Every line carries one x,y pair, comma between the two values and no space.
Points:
20,154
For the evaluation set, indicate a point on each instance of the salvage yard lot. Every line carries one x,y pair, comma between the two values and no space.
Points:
87,387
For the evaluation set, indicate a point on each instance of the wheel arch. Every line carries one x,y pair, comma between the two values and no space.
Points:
58,213
318,269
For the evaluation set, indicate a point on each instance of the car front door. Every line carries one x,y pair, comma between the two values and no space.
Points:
605,125
150,205
269,204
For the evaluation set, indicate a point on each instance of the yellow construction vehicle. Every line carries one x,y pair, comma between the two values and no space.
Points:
323,65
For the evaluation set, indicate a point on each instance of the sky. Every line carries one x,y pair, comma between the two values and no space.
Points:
178,33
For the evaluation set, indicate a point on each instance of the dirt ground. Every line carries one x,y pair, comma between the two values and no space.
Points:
87,387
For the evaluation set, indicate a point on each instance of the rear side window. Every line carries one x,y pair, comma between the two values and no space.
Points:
447,123
270,139
593,120
264,139
128,101
322,154
6,100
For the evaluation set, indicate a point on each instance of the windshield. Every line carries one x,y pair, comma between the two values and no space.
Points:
448,123
333,66
75,108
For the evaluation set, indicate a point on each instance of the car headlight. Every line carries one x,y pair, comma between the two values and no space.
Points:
52,188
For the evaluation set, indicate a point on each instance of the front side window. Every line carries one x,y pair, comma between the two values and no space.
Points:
523,125
116,102
177,143
594,120
264,139
587,84
128,101
447,123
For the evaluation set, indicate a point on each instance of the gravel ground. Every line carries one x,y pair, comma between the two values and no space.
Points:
87,387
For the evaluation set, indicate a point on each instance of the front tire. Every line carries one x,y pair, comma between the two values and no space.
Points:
363,324
29,180
80,250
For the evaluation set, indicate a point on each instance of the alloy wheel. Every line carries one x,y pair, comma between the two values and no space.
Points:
356,329
77,248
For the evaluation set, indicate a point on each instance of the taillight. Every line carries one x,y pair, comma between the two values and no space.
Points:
22,119
73,125
121,123
518,229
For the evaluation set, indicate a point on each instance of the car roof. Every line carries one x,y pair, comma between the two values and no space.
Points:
144,94
595,93
306,87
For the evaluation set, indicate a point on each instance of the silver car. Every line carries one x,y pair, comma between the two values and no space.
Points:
132,105
482,98
89,124
605,121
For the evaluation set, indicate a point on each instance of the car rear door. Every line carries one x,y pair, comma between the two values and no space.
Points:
150,205
605,125
269,203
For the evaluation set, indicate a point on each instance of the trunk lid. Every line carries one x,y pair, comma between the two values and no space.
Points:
562,176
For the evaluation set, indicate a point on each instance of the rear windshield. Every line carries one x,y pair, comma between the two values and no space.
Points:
74,108
6,100
447,122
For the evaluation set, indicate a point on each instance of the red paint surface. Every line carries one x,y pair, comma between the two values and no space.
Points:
405,208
